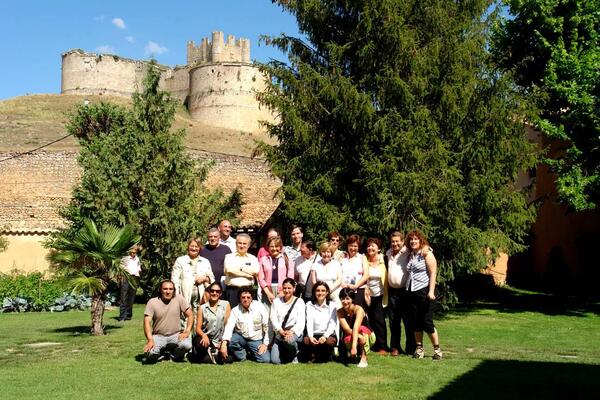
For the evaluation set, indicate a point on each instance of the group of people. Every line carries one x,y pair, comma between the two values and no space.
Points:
296,303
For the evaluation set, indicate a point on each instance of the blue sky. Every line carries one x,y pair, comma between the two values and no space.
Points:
34,34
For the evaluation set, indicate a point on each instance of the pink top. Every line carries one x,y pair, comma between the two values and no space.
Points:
265,272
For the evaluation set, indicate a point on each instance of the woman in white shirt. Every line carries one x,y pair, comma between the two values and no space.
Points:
328,270
355,273
191,274
288,317
321,326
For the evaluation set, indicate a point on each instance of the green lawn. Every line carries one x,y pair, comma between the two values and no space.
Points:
488,354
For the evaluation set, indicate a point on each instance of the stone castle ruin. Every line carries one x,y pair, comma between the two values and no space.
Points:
218,84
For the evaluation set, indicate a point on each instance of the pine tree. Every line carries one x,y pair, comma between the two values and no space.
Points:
391,116
136,171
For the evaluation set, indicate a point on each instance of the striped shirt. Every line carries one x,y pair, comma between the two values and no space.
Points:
418,277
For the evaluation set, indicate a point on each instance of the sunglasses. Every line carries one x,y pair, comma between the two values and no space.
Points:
334,240
215,291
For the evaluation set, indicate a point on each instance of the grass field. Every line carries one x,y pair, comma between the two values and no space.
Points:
489,353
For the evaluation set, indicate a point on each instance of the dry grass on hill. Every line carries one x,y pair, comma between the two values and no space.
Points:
27,122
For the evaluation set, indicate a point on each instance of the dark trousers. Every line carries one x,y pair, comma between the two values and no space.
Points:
127,296
200,354
376,315
231,295
318,353
400,312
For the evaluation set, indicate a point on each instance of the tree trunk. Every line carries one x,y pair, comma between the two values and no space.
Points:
97,311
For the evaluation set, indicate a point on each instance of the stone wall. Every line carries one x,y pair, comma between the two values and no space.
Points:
34,186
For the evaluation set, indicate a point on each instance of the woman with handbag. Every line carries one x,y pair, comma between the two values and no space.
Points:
288,318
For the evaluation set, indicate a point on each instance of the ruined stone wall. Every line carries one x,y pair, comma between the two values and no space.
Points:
177,82
224,95
91,73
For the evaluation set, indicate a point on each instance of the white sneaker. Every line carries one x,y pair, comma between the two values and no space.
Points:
295,360
363,364
419,352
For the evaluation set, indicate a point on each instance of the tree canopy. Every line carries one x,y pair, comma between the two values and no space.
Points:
391,116
553,49
136,171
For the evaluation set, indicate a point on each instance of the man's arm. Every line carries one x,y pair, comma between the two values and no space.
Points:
148,332
189,322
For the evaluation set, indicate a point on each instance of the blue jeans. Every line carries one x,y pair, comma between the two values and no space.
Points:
242,347
284,352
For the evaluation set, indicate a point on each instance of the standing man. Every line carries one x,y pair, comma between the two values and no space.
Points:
398,307
215,252
241,269
293,251
247,330
162,325
131,264
225,232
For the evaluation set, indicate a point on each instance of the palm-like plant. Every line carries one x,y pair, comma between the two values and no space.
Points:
93,259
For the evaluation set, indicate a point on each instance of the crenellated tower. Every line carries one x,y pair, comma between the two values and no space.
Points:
217,50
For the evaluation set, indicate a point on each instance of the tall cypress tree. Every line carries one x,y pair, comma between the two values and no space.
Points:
391,116
136,171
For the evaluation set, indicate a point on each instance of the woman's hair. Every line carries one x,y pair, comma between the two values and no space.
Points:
290,281
333,234
214,285
419,235
354,238
276,241
325,246
375,240
196,240
347,292
310,245
314,291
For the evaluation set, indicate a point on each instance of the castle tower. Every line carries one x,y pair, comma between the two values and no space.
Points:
223,84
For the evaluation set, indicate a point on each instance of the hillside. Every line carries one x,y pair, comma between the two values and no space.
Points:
27,122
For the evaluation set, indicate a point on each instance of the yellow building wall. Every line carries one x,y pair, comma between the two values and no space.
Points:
25,253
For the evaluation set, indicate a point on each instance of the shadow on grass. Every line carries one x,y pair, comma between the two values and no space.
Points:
506,379
82,329
479,291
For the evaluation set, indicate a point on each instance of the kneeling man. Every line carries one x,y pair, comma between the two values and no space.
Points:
162,325
247,330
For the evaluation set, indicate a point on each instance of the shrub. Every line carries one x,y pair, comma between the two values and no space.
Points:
39,291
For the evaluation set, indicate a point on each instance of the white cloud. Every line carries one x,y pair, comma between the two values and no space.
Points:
154,49
105,49
119,23
99,18
130,39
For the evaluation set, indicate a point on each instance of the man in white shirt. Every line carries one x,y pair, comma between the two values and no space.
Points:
131,265
240,268
246,333
225,231
398,307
